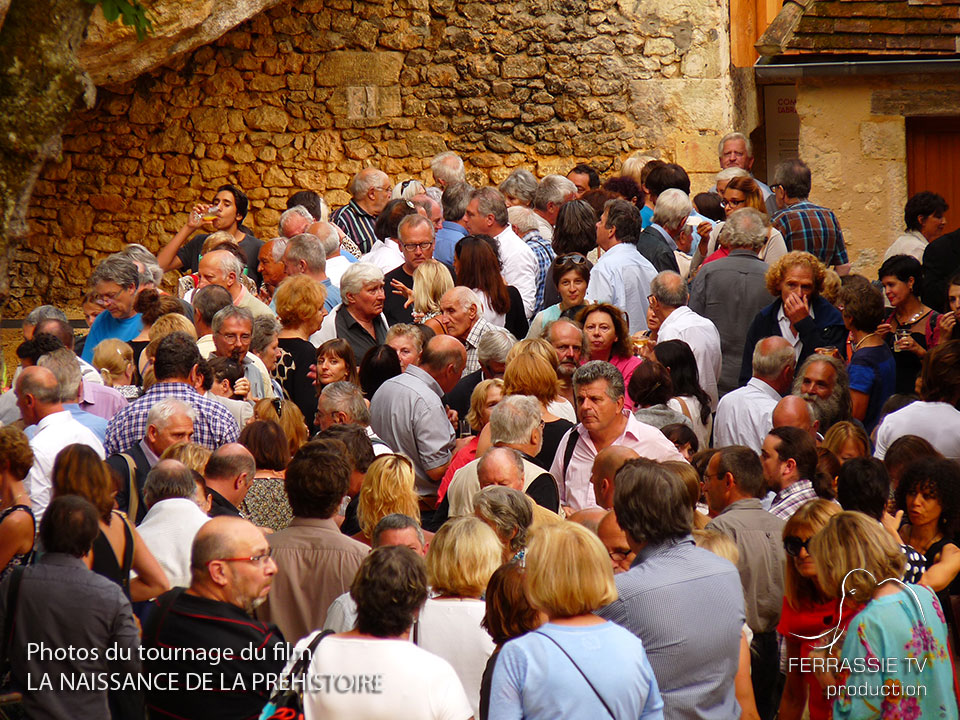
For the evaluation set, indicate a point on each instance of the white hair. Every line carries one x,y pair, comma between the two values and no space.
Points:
164,411
729,174
514,419
552,189
494,345
407,190
467,298
735,136
672,209
523,218
330,240
229,263
278,248
366,179
448,168
357,277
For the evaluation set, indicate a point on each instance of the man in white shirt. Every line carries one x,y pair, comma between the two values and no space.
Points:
598,387
668,301
622,276
487,215
174,518
337,264
38,397
745,415
552,192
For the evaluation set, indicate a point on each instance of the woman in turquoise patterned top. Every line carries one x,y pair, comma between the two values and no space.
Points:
894,662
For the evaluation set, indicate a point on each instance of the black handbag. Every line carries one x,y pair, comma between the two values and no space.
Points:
286,702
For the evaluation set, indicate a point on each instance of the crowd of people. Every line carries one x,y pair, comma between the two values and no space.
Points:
569,447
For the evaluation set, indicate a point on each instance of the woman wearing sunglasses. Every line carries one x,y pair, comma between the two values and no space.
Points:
806,610
571,275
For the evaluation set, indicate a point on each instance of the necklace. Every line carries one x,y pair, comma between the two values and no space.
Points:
856,345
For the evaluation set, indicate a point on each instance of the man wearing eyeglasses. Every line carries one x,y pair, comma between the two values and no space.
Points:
416,244
204,635
370,189
232,332
733,483
115,283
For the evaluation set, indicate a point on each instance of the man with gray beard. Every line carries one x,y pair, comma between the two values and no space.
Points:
823,380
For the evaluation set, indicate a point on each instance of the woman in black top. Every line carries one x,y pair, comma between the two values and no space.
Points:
476,264
299,301
16,515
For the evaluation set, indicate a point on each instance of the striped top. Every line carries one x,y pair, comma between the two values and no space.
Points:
357,223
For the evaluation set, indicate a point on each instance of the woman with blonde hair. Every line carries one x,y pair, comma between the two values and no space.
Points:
288,415
431,280
118,549
191,454
577,661
855,556
807,610
388,487
407,341
462,556
113,358
299,301
528,374
846,440
796,281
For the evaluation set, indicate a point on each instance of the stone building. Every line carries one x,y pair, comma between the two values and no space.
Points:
305,93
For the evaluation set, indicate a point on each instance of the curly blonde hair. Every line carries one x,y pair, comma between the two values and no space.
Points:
388,487
777,271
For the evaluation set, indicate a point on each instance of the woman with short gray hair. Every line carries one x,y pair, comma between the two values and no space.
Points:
115,281
509,513
519,187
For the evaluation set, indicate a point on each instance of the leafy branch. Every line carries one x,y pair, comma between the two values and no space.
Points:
133,12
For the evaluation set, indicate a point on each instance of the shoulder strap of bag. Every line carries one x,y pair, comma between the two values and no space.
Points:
568,451
303,662
13,595
683,408
582,673
127,553
133,492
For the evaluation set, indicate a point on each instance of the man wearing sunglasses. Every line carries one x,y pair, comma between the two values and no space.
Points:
733,483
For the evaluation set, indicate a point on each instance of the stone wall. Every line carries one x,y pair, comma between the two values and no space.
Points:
306,94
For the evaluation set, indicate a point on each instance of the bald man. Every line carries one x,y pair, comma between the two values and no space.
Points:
614,539
38,399
590,518
605,466
794,411
229,476
231,575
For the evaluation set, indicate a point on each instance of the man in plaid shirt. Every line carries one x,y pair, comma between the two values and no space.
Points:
789,459
805,226
524,221
175,368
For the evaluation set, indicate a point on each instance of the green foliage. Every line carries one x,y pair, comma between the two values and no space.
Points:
133,12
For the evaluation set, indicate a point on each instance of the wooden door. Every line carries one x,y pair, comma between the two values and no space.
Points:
933,161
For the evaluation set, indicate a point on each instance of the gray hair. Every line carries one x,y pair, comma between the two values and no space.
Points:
412,222
152,272
231,311
494,345
164,411
669,288
345,397
277,248
735,136
513,419
523,218
745,228
65,366
728,174
39,385
553,189
169,480
467,298
794,177
116,268
44,312
521,184
229,263
308,249
771,364
395,521
295,211
265,329
595,370
672,209
330,240
491,202
357,277
447,167
366,179
509,511
454,201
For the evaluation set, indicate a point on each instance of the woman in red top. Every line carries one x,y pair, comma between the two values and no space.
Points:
806,611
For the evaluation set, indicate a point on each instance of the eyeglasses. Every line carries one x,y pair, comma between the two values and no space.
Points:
575,258
773,188
413,246
233,337
261,559
278,406
104,298
793,545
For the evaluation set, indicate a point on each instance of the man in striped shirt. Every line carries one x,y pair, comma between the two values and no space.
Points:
370,189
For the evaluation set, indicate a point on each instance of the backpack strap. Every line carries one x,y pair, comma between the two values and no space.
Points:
568,452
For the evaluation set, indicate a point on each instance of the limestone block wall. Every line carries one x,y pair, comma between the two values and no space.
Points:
305,94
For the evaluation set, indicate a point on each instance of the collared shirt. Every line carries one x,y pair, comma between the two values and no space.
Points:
471,343
408,414
686,605
62,604
704,340
671,243
812,229
385,254
622,278
349,328
149,454
357,223
576,491
545,255
520,268
54,433
95,423
315,564
214,425
936,422
912,243
745,416
101,400
447,237
785,330
791,498
758,535
252,303
168,530
219,505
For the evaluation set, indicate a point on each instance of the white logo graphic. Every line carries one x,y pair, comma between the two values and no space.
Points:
834,634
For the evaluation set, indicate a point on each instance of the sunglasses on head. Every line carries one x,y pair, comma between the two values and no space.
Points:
793,545
574,258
